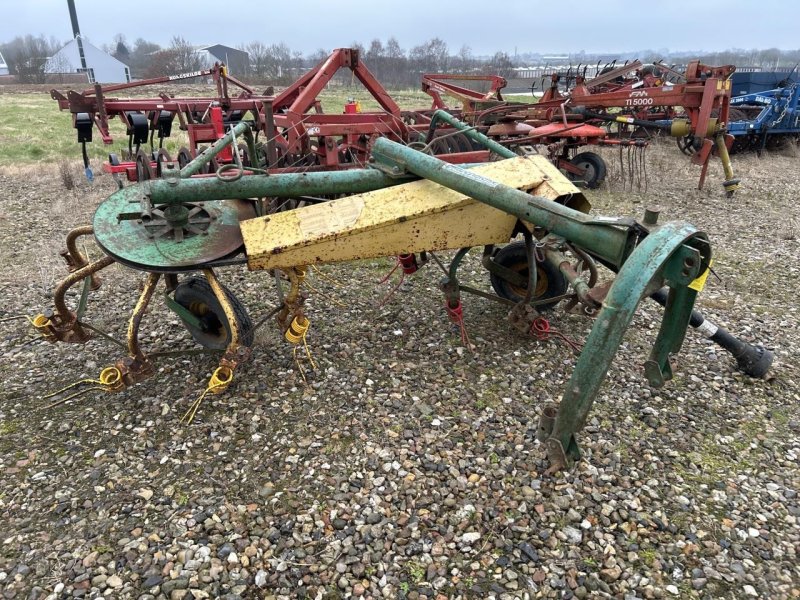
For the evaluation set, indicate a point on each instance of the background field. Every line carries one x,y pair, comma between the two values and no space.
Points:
33,130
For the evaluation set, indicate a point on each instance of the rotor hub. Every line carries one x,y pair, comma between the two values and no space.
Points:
177,221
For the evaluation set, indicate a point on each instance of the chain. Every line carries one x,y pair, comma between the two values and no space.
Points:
785,107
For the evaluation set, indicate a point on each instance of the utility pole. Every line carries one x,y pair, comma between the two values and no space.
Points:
76,32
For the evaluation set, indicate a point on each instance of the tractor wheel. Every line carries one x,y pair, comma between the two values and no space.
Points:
550,282
196,295
594,167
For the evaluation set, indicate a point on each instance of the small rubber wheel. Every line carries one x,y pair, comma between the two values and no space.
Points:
195,294
184,157
550,282
594,167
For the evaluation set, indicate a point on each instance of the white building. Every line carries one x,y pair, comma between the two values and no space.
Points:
236,60
100,66
3,65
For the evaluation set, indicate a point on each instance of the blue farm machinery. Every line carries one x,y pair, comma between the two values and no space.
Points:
765,119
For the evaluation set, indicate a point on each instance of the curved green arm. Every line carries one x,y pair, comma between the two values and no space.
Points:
674,254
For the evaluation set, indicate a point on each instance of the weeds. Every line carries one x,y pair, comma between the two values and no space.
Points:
66,174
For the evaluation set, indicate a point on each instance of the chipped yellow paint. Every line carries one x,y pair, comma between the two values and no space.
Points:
413,217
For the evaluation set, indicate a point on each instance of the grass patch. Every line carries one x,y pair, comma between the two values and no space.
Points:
34,130
415,571
8,427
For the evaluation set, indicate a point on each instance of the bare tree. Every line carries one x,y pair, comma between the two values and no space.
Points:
279,63
121,51
501,64
258,53
465,59
161,63
185,56
141,56
317,56
396,63
26,57
376,58
429,57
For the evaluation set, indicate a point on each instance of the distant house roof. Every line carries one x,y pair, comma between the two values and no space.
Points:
236,60
3,65
102,66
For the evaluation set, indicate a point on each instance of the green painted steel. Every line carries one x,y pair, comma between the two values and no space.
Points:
470,132
281,185
184,313
202,159
647,269
672,254
605,239
130,242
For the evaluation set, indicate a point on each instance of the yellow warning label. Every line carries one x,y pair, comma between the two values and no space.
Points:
699,283
330,217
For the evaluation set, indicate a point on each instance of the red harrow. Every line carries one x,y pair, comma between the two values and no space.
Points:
294,134
565,123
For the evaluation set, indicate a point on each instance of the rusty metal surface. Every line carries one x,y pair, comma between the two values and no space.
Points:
163,249
63,325
134,350
410,218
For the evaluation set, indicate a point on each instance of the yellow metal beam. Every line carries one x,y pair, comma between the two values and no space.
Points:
408,218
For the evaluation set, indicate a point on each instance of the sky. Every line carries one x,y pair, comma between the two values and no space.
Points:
512,26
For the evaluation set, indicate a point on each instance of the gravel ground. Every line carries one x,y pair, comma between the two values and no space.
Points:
408,467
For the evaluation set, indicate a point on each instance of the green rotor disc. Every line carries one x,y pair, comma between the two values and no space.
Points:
171,238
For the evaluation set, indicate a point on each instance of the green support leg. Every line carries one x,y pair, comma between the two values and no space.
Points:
645,270
680,303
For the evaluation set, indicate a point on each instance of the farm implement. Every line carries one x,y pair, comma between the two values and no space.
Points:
292,131
148,120
764,119
564,123
182,229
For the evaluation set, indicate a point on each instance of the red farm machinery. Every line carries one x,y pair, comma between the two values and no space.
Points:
692,107
293,132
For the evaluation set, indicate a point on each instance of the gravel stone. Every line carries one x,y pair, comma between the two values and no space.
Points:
427,482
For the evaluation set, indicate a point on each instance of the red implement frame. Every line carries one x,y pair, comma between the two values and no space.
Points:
297,134
437,84
704,98
330,136
101,108
707,90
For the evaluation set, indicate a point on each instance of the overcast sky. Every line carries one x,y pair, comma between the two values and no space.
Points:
486,26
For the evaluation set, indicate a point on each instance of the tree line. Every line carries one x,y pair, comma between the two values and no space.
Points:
394,66
276,63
